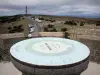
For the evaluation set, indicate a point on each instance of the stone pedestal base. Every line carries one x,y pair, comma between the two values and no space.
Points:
26,69
51,74
26,74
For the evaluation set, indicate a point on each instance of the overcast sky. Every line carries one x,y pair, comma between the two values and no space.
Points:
51,7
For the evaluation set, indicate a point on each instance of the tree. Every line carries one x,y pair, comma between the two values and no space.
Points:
81,24
45,29
46,20
41,18
66,34
64,29
15,27
74,23
52,21
23,18
9,21
70,22
9,28
50,26
12,31
54,30
20,30
20,26
97,24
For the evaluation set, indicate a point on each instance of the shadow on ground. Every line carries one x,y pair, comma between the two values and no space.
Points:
4,56
94,46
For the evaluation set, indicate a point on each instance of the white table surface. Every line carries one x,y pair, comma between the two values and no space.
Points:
50,51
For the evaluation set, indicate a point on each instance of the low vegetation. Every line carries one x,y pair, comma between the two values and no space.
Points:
70,23
15,29
64,29
66,35
82,24
50,28
51,20
98,23
9,19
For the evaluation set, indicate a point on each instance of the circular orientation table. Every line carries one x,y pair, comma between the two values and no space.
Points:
50,56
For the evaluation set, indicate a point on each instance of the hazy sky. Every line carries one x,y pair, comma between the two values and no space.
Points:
51,7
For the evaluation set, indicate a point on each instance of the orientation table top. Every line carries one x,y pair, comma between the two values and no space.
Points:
50,51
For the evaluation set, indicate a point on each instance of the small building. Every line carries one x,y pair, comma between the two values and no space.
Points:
38,20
